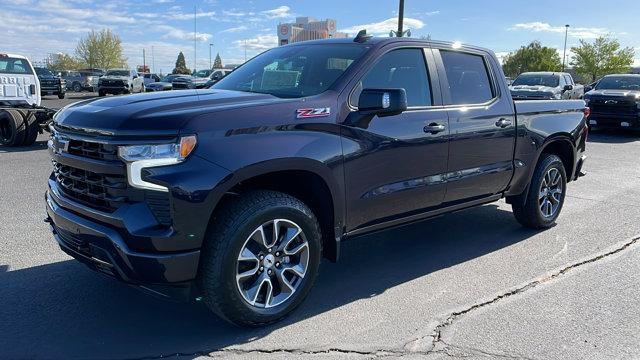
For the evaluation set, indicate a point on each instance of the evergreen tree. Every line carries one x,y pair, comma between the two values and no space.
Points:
217,63
181,66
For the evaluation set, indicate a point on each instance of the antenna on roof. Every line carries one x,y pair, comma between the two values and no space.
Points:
362,36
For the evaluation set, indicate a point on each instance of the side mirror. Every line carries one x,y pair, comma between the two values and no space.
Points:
587,88
568,87
382,102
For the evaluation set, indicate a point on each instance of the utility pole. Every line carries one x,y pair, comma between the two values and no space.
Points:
400,18
564,53
144,62
245,50
153,61
210,66
195,39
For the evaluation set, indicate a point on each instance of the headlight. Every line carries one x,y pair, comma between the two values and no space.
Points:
557,96
139,157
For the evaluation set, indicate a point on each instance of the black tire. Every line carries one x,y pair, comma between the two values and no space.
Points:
101,93
526,206
142,89
77,87
227,236
61,95
12,128
32,128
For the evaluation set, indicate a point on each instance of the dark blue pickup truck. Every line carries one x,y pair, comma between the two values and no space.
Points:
233,194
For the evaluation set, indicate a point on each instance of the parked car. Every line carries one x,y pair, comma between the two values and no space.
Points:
615,102
545,86
21,115
188,82
120,81
216,76
233,194
50,84
150,78
164,84
79,80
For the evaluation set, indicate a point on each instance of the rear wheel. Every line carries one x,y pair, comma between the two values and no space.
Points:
31,128
61,95
539,207
260,258
77,87
12,128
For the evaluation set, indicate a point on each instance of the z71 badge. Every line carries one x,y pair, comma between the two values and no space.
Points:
311,113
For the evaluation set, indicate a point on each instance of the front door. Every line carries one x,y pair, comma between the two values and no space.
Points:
482,125
394,166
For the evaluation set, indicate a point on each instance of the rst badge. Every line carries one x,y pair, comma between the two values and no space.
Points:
311,113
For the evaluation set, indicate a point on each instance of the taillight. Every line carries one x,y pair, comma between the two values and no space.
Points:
587,112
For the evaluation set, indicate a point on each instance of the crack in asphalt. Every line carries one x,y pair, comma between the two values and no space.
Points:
436,335
417,346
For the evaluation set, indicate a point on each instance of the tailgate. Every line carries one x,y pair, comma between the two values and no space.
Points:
15,88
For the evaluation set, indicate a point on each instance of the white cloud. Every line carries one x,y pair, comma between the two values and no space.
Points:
383,27
577,32
234,29
259,43
171,32
189,16
280,12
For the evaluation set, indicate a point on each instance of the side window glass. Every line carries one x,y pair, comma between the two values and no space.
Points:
567,79
403,68
468,78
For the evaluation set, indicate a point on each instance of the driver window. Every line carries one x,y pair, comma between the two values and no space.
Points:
403,68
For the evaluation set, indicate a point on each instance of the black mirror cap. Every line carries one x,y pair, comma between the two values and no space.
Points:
382,102
568,87
587,88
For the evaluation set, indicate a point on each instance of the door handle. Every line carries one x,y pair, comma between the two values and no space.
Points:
503,123
433,128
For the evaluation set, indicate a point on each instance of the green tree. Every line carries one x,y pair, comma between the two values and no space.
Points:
101,49
65,62
603,56
533,57
181,66
217,63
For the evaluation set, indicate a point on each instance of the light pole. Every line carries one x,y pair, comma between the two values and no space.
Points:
400,18
564,53
210,45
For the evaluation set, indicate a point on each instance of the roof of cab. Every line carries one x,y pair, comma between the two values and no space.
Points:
380,41
14,56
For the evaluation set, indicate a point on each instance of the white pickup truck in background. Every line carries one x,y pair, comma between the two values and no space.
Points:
21,116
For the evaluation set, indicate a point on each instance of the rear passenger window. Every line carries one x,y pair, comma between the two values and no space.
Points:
403,68
468,78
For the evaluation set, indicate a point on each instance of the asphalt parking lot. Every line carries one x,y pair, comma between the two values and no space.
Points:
469,284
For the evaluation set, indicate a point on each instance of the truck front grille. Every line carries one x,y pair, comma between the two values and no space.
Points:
93,150
102,192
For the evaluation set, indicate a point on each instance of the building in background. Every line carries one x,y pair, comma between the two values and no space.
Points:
308,28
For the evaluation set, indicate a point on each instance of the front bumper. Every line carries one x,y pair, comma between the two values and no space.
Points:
103,249
614,121
114,89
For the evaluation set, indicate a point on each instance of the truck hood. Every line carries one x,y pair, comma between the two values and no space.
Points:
533,88
634,94
153,114
111,77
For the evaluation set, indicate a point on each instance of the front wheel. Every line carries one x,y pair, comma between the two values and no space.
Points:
61,95
260,258
77,87
539,207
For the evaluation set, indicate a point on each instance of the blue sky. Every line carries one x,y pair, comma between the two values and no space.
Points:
37,28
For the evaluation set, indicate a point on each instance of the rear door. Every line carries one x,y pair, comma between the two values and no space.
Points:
481,121
393,167
18,82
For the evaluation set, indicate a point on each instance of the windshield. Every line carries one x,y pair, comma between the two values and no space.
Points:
619,82
43,72
117,73
293,71
14,66
536,80
202,73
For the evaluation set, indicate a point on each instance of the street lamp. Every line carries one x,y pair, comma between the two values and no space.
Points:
564,53
210,45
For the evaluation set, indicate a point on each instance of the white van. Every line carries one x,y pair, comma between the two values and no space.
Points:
19,84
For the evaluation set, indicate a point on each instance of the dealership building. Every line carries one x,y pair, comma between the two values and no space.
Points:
307,28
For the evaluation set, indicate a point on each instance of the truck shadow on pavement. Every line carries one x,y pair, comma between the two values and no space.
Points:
613,136
40,144
63,310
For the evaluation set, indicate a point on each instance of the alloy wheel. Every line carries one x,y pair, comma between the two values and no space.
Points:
272,263
550,193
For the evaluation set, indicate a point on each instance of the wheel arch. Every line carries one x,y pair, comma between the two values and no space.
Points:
311,181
